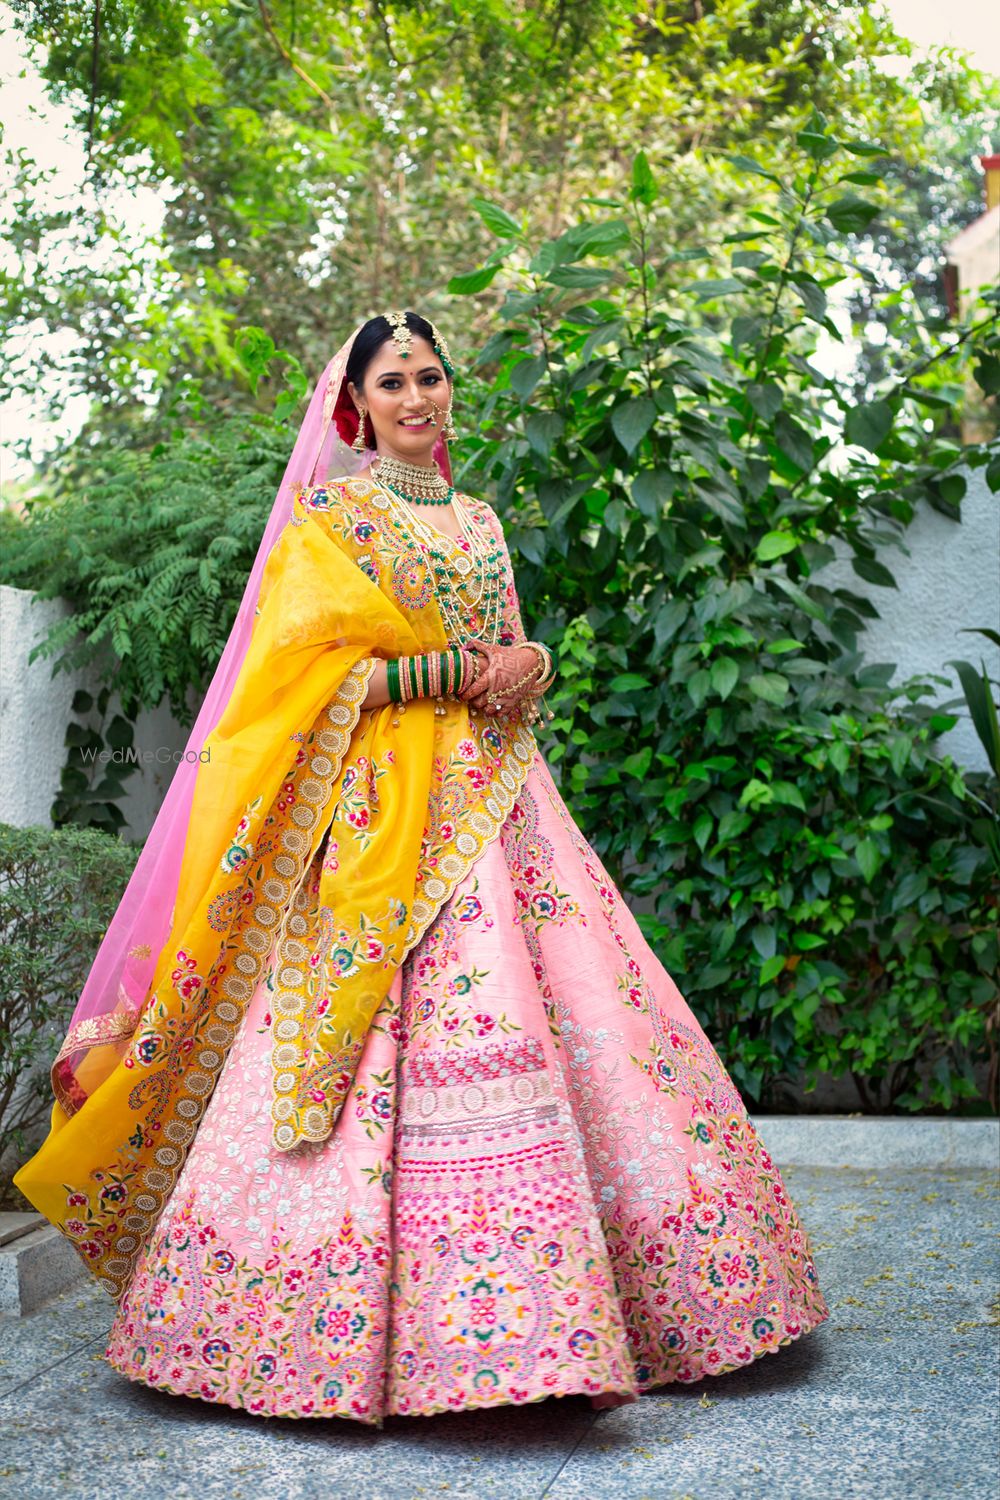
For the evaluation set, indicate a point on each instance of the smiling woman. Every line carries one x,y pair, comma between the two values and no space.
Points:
404,1115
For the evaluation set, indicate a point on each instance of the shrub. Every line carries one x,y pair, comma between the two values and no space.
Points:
674,481
58,892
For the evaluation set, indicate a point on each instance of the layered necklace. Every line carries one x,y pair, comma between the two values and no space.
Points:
413,484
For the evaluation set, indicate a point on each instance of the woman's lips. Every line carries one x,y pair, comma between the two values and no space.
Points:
416,424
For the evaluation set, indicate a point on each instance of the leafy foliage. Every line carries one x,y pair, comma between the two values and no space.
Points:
58,891
154,556
674,491
302,166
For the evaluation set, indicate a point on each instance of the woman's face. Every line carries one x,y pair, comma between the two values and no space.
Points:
407,400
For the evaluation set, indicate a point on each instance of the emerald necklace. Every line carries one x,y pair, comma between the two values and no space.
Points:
413,482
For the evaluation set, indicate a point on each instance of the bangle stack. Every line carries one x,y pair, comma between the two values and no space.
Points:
435,674
444,674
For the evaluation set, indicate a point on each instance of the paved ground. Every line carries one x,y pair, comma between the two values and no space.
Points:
895,1397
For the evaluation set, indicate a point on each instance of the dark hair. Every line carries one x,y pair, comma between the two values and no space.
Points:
375,333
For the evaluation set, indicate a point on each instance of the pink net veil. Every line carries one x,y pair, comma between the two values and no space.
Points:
124,966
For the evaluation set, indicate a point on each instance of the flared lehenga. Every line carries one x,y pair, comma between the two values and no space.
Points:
543,1180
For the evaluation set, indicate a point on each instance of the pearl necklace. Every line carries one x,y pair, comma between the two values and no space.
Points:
455,600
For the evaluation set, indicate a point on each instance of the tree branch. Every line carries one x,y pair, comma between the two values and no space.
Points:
290,60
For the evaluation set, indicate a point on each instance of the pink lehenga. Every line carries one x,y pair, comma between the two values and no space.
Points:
542,1182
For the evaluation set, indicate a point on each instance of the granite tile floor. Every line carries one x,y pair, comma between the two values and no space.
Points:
894,1397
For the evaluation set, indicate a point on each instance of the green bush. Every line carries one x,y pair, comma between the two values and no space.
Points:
58,891
152,547
674,480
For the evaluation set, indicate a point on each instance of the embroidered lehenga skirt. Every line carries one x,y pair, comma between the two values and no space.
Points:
543,1181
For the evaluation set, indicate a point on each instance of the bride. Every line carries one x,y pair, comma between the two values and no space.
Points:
376,1100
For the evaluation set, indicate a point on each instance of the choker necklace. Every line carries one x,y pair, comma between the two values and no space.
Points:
413,482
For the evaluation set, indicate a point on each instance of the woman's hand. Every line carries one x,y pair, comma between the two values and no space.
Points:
500,668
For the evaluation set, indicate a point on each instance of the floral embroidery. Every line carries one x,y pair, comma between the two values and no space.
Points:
241,849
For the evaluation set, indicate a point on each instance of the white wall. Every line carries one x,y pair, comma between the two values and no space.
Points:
950,579
34,713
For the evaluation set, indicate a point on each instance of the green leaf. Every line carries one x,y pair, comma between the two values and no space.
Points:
840,756
697,686
868,858
765,939
627,682
818,146
872,571
788,794
745,330
770,686
603,238
765,398
497,219
812,295
775,544
473,281
643,181
632,420
953,488
785,644
669,619
982,709
747,164
526,374
637,765
800,597
868,426
723,287
793,440
993,475
543,428
900,747
987,372
864,148
851,214
807,941
725,674
651,489
771,968
579,276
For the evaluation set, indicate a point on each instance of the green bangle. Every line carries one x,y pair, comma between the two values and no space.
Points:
392,679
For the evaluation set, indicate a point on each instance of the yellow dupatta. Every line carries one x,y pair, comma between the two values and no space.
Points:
324,832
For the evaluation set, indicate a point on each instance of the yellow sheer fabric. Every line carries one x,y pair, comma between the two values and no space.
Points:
323,840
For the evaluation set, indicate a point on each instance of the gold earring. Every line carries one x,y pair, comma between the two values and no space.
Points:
359,444
449,431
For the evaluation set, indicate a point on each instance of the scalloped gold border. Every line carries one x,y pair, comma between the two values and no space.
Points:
217,1028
